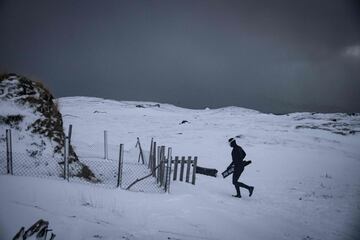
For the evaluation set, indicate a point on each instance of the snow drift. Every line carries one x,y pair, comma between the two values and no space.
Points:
304,168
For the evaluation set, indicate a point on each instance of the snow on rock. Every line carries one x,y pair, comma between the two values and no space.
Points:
30,110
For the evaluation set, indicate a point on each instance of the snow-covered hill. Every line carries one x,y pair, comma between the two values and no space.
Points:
305,172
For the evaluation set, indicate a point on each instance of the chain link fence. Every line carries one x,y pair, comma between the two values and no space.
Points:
104,172
3,164
45,166
100,144
133,169
133,173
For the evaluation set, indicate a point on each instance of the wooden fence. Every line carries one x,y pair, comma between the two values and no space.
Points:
180,162
163,166
159,165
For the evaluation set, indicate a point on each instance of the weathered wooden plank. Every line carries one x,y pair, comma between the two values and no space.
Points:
188,169
206,171
168,171
182,169
141,155
153,160
194,170
158,163
176,162
150,155
162,166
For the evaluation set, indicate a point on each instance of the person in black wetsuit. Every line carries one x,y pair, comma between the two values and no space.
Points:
238,155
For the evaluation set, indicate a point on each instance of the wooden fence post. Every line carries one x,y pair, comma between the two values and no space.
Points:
150,155
182,168
11,152
105,145
70,133
175,167
168,171
120,170
162,164
9,159
157,164
66,159
194,170
160,168
141,155
188,169
153,160
7,151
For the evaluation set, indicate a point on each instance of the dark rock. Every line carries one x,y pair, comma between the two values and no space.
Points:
12,120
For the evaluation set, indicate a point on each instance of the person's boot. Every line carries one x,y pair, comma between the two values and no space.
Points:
238,195
251,190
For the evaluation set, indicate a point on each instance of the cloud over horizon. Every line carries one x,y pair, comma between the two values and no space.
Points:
279,56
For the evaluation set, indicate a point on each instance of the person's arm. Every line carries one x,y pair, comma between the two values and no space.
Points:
242,154
233,159
231,164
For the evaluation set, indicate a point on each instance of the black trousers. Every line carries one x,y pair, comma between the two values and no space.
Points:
236,175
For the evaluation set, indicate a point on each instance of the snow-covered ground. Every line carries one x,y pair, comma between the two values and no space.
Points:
305,173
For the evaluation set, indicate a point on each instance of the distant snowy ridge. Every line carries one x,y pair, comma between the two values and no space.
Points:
337,123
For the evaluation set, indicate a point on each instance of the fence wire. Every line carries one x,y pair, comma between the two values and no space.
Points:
89,150
104,173
134,171
45,166
133,168
3,162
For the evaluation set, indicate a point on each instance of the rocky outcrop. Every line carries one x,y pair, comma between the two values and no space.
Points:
31,111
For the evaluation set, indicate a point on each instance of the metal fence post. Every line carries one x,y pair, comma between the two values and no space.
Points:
9,159
120,170
66,159
105,145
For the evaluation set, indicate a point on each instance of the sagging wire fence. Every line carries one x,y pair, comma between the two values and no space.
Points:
132,170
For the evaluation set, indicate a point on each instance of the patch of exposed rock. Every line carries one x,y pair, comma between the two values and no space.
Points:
30,110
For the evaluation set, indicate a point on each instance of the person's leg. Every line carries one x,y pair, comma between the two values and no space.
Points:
235,179
243,185
249,188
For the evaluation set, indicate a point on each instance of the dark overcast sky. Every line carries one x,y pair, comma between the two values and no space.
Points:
273,56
